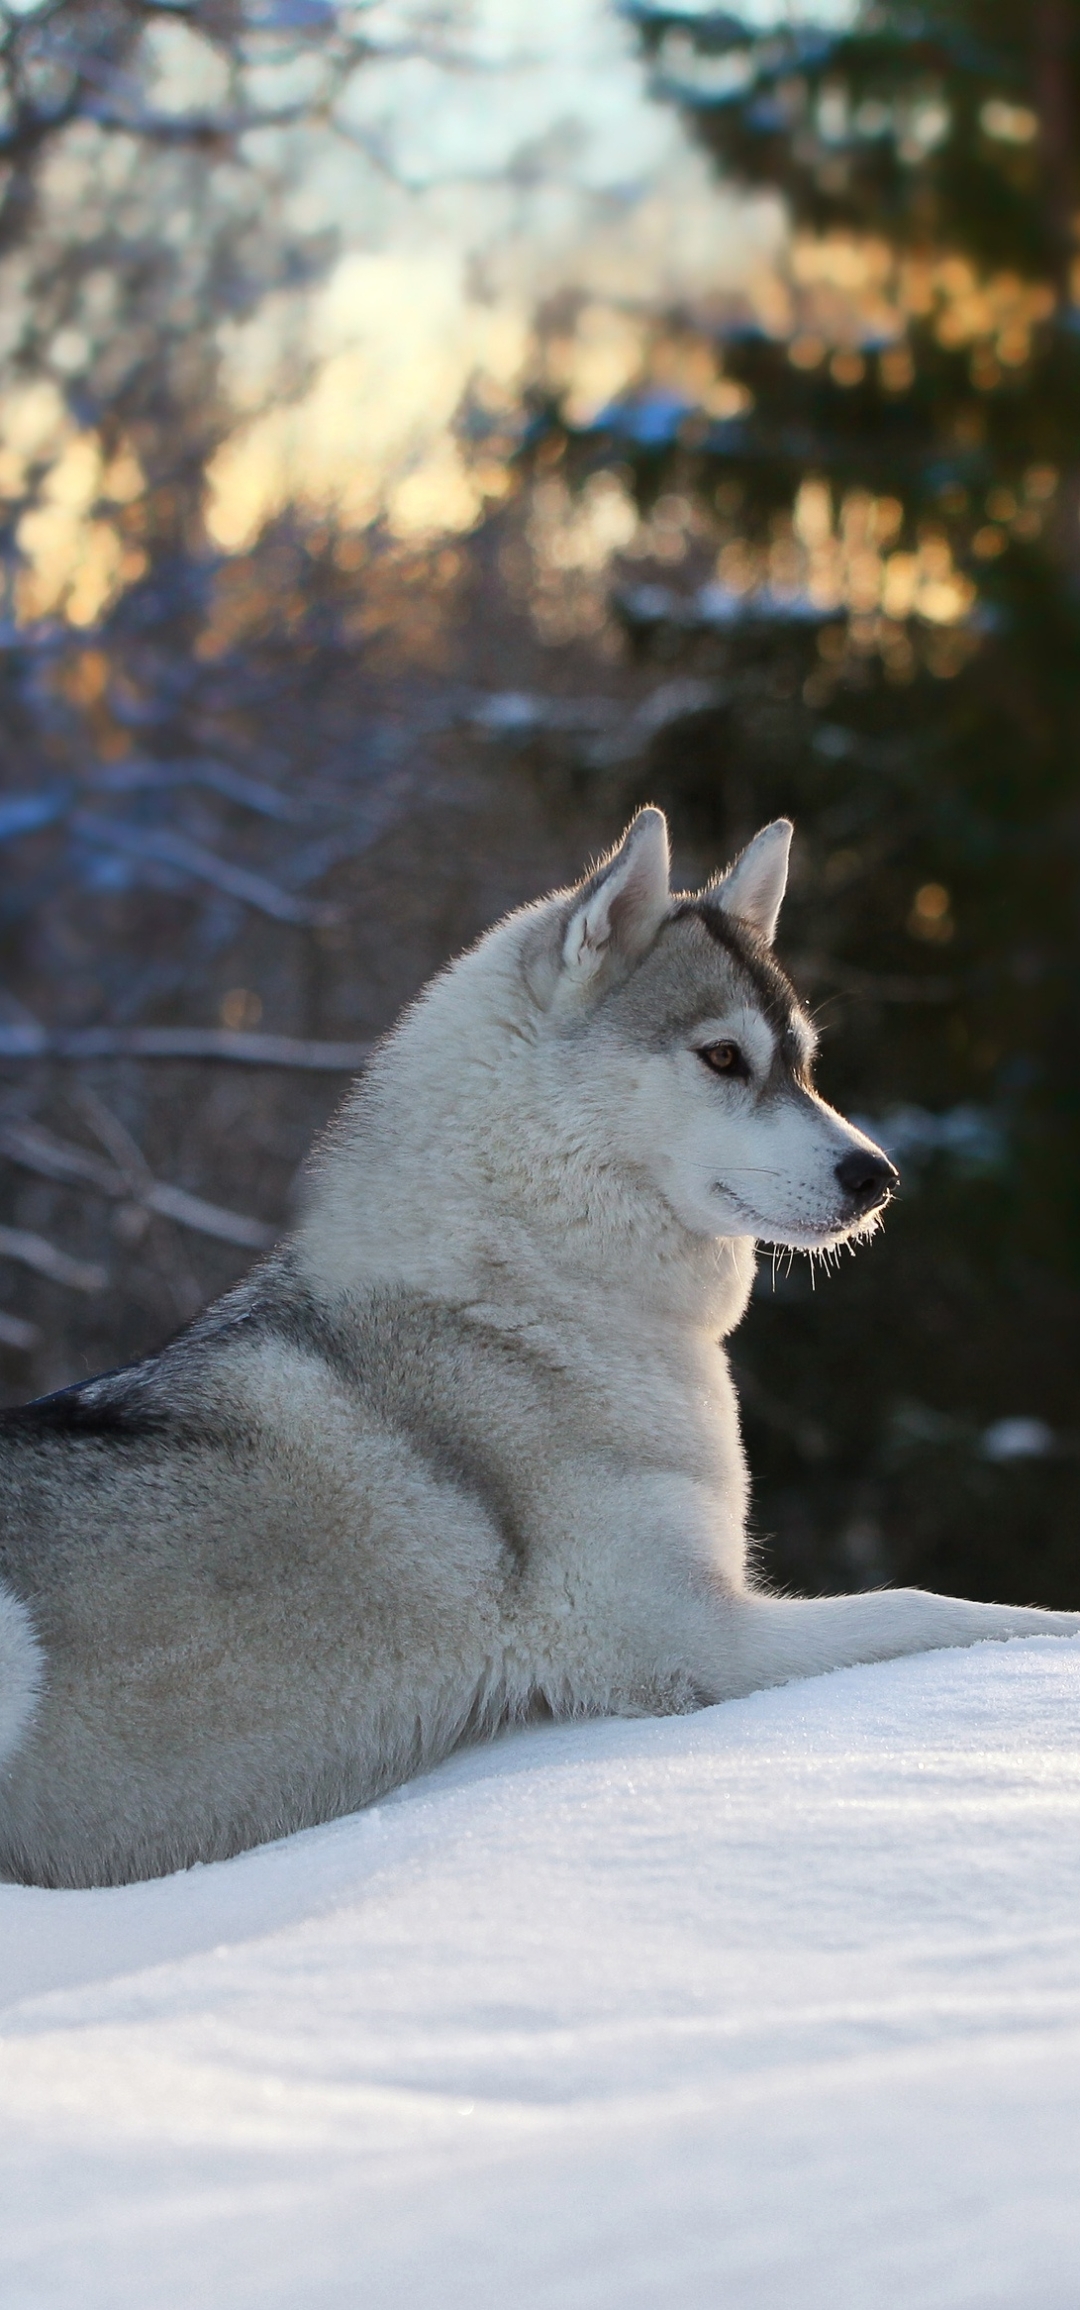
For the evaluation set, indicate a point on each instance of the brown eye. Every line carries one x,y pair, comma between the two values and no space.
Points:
726,1059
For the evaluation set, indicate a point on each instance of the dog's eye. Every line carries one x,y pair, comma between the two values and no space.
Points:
725,1059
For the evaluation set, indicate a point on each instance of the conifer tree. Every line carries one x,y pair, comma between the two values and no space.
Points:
900,490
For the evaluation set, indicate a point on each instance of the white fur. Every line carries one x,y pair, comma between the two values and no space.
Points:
471,1442
627,907
727,1165
753,889
616,1194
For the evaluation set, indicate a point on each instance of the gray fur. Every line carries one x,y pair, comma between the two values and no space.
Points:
20,1670
464,1449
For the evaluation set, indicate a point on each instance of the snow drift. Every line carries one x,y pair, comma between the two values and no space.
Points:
775,2004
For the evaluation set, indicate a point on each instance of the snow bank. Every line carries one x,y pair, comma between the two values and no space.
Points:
779,2004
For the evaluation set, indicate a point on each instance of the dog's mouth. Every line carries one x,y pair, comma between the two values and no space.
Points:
803,1234
753,1218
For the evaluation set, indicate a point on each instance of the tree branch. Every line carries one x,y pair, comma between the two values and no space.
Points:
37,1252
19,1042
58,1159
163,847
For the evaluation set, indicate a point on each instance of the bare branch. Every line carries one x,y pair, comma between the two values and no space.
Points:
162,846
20,1042
116,1139
137,776
15,1333
37,1252
55,1159
58,1159
28,813
208,1218
186,128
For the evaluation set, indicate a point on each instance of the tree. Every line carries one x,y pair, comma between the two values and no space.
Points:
895,485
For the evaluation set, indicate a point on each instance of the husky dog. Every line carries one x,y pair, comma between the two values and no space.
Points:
464,1449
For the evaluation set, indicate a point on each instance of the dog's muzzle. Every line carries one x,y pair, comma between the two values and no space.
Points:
868,1179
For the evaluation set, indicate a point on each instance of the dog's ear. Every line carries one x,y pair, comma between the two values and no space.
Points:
622,906
753,889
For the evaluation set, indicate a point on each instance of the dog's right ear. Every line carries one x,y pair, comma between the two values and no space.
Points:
612,918
620,909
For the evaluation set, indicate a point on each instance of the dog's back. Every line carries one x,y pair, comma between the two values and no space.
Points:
466,1446
245,1590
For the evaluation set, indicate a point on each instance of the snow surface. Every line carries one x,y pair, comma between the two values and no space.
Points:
775,2005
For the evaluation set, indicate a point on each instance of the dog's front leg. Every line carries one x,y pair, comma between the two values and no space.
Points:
768,1640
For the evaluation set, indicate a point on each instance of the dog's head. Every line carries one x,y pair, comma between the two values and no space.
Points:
686,1043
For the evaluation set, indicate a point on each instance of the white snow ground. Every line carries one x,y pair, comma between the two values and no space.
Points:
776,2005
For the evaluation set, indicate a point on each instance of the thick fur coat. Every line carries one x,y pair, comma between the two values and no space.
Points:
464,1449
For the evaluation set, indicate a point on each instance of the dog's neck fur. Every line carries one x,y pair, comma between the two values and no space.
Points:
458,1166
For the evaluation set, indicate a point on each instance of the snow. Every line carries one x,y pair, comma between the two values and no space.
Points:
775,2004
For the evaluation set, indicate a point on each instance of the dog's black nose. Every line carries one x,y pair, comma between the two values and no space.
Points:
866,1178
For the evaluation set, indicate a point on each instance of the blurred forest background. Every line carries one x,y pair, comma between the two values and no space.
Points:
427,432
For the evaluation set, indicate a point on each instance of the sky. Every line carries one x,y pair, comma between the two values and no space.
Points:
477,168
515,156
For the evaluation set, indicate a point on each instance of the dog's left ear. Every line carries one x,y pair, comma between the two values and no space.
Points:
753,889
623,905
